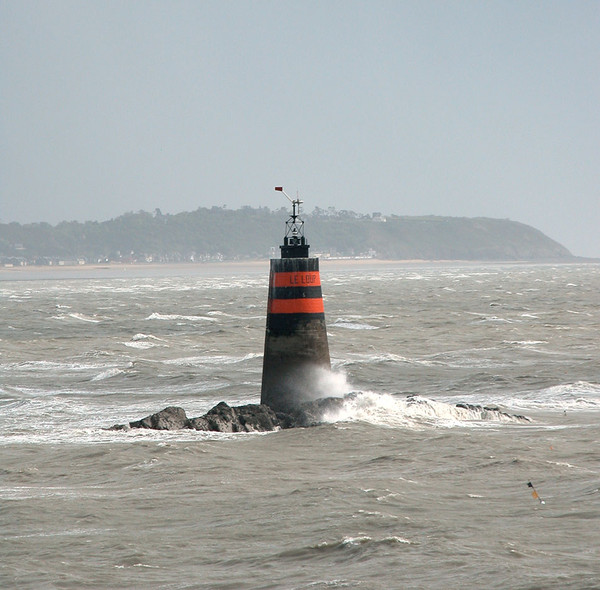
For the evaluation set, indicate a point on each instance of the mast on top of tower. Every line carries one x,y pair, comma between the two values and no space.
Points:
294,242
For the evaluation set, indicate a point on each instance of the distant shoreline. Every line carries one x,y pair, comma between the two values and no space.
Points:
117,270
152,268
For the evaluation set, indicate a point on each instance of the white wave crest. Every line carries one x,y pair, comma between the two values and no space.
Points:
360,541
221,359
340,323
144,341
50,366
107,374
413,411
79,316
174,316
137,337
144,345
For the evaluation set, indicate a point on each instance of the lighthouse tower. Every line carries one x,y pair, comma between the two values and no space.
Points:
296,348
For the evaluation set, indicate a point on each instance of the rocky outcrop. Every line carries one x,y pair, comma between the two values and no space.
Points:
262,418
248,418
221,418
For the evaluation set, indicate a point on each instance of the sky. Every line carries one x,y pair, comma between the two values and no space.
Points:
457,108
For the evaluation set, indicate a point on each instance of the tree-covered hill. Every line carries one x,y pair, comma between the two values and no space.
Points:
220,233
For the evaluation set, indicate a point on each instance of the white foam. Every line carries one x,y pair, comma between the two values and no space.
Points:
173,316
413,411
340,323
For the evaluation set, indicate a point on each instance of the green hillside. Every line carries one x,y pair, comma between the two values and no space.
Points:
249,233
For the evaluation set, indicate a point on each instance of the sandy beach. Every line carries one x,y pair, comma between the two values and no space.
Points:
54,272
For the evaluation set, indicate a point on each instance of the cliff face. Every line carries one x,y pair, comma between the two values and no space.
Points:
219,233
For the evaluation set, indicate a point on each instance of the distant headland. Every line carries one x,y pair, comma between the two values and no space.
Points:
219,234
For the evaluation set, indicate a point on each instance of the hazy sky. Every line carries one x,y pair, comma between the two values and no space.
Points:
407,107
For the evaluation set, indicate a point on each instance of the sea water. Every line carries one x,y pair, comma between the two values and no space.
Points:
400,489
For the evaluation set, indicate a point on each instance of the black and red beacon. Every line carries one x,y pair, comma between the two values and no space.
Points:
296,349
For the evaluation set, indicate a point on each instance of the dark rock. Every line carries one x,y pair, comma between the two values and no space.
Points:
257,418
200,423
221,418
248,418
171,418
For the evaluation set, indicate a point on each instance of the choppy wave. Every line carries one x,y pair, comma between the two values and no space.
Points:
385,497
578,396
352,544
567,397
382,358
35,366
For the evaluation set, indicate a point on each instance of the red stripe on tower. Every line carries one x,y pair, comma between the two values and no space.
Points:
296,306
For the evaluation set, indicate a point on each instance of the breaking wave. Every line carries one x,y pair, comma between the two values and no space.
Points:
144,341
383,409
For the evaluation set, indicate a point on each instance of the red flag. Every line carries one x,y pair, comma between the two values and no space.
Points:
279,188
